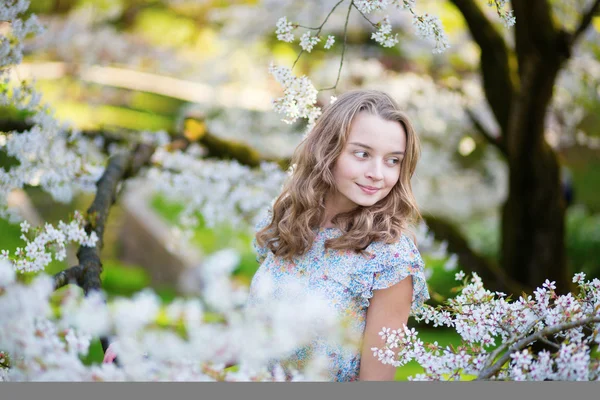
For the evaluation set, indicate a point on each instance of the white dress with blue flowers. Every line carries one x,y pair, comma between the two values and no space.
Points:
348,280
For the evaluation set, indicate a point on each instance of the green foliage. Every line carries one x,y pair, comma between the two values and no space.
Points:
583,242
123,280
441,281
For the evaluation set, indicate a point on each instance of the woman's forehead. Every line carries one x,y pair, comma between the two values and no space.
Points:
377,133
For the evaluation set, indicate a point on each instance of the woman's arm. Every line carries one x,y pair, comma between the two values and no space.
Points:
388,307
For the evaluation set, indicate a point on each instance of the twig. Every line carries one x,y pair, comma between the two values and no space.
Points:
343,48
550,343
297,58
318,29
364,16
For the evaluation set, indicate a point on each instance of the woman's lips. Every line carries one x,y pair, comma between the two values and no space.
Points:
368,190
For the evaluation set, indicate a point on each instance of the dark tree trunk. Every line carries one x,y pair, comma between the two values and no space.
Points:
533,228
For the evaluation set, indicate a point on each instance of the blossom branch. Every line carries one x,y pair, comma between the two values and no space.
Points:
506,345
522,343
318,29
364,16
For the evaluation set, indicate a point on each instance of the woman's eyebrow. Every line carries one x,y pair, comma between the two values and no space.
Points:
370,148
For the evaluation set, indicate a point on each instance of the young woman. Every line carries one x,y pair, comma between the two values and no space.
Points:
340,224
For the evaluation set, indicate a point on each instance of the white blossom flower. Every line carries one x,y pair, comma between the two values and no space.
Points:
429,26
383,36
299,96
459,276
284,30
307,41
330,41
579,277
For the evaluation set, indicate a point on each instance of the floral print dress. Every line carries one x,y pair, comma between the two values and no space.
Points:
348,280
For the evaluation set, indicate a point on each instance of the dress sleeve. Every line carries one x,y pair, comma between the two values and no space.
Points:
398,261
263,220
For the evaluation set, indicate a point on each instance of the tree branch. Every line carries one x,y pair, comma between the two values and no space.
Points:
68,276
87,274
507,344
585,22
118,169
498,86
495,141
522,343
492,275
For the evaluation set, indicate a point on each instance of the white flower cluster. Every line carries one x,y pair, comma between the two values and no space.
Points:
46,154
481,317
11,46
36,255
284,30
223,192
175,342
299,96
404,4
429,26
330,41
368,6
383,36
307,41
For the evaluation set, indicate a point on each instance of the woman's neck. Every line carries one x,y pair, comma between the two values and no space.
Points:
333,208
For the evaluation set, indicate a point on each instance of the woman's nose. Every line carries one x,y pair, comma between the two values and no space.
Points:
375,172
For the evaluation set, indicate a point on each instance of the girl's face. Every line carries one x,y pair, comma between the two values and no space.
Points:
369,165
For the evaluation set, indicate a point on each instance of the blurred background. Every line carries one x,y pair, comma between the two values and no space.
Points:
201,65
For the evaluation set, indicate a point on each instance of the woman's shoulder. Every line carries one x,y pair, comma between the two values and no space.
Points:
403,247
263,219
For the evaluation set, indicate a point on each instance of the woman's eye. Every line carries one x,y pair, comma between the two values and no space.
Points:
394,161
361,154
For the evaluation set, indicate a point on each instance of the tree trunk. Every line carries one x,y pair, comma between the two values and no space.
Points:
533,228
